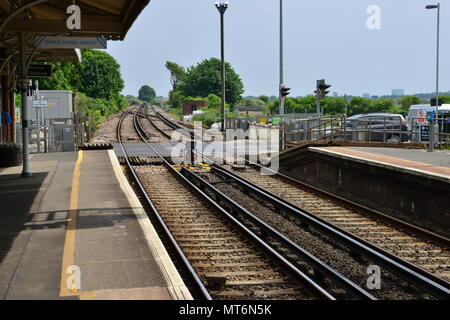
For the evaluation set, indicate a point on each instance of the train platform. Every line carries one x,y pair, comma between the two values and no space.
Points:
434,165
76,230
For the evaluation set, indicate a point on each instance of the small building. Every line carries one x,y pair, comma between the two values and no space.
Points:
59,105
190,106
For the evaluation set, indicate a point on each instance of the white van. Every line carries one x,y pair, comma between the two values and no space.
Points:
418,112
417,117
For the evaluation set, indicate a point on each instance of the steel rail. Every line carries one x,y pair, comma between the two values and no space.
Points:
202,291
286,265
423,278
164,133
318,265
420,277
427,234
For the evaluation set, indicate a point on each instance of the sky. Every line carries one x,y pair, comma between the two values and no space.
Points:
324,39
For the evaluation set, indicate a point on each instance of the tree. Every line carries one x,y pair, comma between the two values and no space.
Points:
65,76
407,101
205,78
133,100
359,105
264,98
214,101
100,75
147,94
97,82
177,74
333,106
444,99
176,99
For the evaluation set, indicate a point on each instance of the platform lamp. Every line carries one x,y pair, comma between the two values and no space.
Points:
222,7
432,125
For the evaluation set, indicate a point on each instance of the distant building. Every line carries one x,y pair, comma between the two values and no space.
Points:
190,106
398,92
366,95
335,94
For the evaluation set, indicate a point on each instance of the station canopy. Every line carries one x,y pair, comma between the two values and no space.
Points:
110,19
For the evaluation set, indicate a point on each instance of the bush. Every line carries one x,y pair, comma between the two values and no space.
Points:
9,146
208,117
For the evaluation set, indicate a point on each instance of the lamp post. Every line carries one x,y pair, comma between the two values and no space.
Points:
432,125
281,110
222,7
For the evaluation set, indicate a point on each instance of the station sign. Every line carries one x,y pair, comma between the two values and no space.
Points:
424,133
40,104
49,42
40,71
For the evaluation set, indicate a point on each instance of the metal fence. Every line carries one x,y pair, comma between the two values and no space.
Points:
56,135
420,131
387,129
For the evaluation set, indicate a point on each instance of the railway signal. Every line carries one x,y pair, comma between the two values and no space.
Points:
321,93
433,102
284,92
322,89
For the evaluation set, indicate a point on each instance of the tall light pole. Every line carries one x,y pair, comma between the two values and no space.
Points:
222,7
432,125
281,111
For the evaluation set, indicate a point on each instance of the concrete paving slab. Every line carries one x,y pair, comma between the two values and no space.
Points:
110,245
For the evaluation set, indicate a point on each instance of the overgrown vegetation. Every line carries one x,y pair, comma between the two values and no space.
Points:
203,82
97,81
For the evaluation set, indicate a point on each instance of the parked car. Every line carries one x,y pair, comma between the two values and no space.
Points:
379,127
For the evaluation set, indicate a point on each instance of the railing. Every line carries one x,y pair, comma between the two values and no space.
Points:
420,131
54,135
312,129
386,129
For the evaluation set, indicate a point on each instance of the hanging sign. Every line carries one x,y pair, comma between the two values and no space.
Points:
40,71
71,42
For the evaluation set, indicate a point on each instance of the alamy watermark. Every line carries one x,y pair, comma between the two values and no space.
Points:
374,19
74,279
257,144
374,279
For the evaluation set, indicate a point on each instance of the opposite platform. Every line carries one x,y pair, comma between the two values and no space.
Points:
434,165
75,230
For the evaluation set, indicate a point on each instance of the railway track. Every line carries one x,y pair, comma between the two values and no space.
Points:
420,254
398,288
420,247
212,244
349,256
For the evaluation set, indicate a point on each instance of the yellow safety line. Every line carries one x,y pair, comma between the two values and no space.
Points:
69,243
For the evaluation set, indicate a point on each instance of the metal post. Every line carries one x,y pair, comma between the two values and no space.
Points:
436,117
318,111
433,123
222,54
45,136
346,108
281,59
23,70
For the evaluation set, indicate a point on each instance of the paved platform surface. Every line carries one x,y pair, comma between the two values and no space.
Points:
434,165
74,231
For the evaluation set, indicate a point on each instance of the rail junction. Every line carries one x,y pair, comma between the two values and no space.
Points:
247,235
